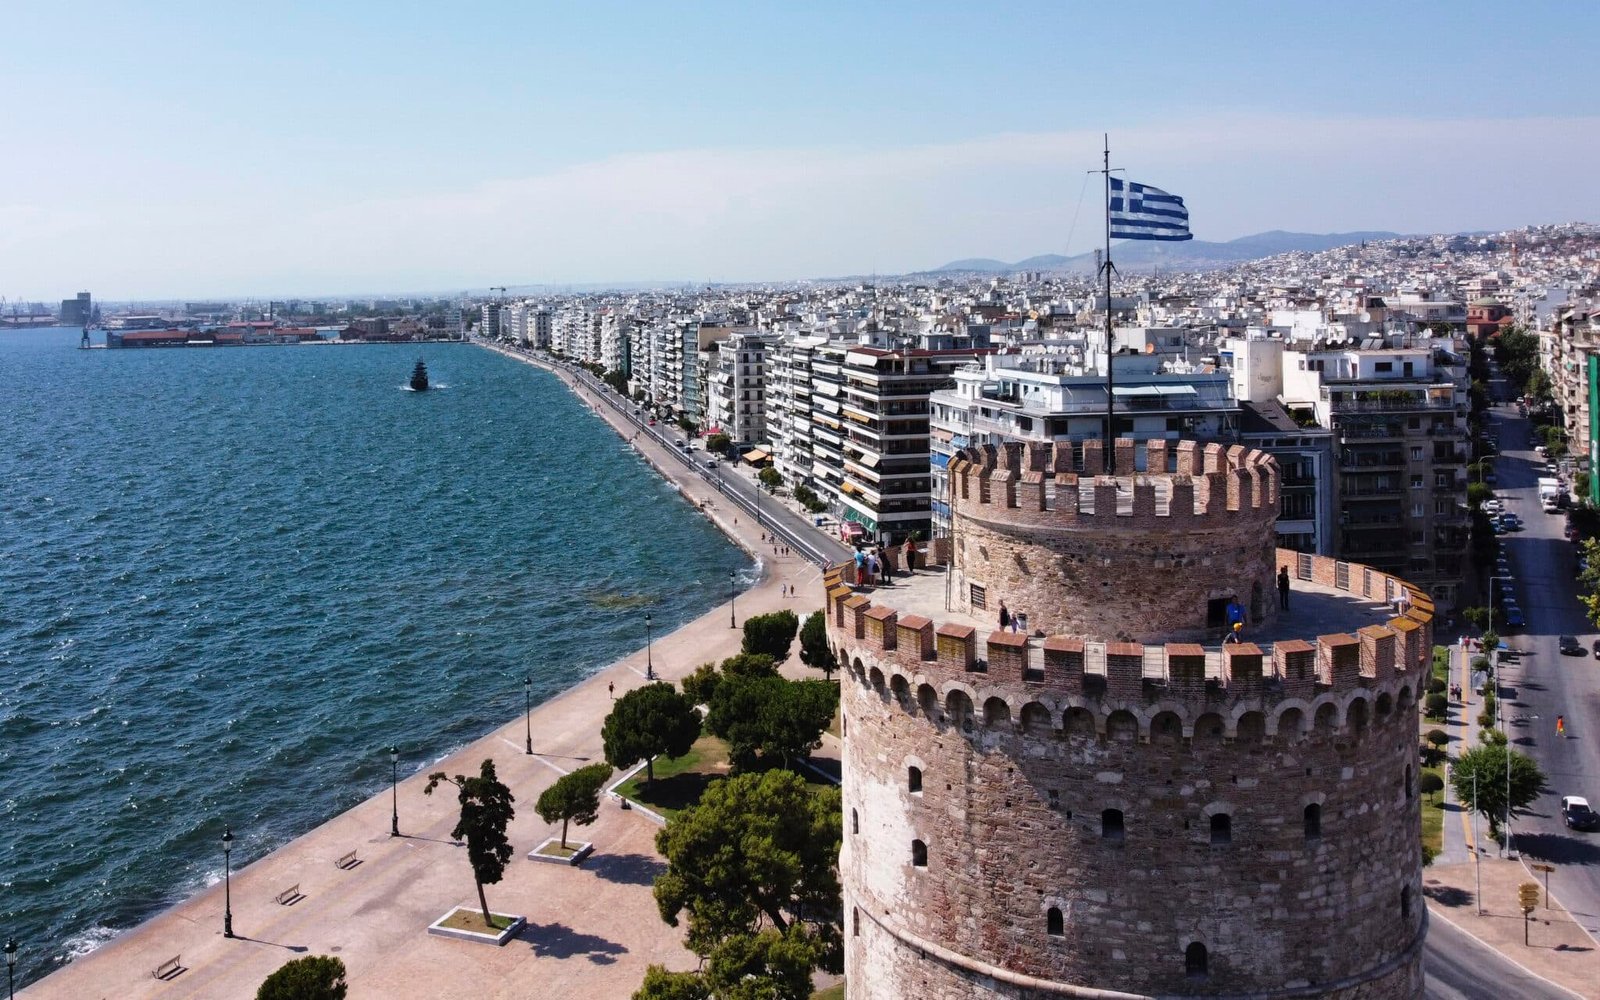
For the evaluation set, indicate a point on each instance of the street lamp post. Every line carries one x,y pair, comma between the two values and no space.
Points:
394,791
227,888
732,620
649,664
11,968
527,709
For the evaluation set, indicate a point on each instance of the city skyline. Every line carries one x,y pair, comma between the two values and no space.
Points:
183,152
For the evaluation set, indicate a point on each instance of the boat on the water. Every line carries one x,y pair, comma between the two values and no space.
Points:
419,377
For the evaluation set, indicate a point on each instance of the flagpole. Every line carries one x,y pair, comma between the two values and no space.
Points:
1111,424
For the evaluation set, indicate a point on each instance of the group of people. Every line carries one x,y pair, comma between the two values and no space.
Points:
1012,621
869,567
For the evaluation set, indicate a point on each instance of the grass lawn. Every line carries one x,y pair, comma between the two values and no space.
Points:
1433,818
472,920
679,780
831,993
555,850
1441,663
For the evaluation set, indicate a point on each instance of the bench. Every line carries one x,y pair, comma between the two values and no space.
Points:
289,896
170,969
347,861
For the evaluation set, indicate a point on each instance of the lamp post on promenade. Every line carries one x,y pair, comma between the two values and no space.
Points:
649,665
227,888
732,620
11,968
394,791
527,708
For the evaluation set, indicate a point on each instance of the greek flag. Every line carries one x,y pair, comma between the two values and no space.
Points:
1141,212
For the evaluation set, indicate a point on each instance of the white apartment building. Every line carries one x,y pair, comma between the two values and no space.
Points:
736,400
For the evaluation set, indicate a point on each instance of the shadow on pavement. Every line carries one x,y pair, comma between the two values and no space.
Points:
1447,895
1558,847
561,941
626,869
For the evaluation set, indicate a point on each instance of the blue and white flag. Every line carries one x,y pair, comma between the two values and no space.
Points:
1141,212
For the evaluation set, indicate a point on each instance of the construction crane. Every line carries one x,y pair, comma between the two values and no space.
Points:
498,288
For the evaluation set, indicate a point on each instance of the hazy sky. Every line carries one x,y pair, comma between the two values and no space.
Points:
208,149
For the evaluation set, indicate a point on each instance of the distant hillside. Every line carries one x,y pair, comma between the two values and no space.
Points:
1189,255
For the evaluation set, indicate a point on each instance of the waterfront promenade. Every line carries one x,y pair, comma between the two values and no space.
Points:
592,930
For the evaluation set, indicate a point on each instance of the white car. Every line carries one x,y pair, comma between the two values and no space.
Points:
1493,506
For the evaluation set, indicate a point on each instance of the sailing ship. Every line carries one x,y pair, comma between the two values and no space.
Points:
419,377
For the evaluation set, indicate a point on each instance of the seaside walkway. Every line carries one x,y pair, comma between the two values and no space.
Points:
591,930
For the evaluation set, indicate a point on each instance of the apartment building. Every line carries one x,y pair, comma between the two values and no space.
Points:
790,425
736,384
1049,396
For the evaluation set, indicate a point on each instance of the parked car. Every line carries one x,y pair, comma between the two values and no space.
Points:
1494,506
712,463
1576,813
1514,618
1570,646
1597,647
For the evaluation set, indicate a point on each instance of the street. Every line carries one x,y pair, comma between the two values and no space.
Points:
1542,683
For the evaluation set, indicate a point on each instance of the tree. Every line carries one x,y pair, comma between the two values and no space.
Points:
814,648
314,977
750,665
770,478
1477,617
1478,494
767,719
770,634
647,722
700,686
718,442
1487,795
485,813
574,798
759,851
659,984
1589,579
1430,784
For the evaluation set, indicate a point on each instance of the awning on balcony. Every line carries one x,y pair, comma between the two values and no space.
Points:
1153,390
755,455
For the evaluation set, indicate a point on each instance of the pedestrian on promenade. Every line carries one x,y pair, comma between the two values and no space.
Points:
1561,726
611,689
1005,617
1283,588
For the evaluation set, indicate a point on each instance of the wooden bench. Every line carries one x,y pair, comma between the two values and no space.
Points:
170,969
347,861
289,896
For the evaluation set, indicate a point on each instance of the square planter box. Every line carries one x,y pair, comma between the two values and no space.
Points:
545,853
483,937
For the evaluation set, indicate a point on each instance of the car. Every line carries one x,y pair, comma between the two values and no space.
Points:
1576,813
1493,507
1570,646
1490,478
1596,647
712,463
1514,619
652,421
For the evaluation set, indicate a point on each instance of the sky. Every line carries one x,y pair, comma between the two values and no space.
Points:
191,150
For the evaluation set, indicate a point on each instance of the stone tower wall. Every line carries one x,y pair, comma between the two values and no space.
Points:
1137,557
1020,751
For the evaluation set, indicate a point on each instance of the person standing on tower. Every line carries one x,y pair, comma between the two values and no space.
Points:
1005,617
1283,588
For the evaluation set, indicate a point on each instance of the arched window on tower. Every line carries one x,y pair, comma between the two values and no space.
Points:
855,822
914,779
1111,825
1195,963
1221,829
1405,903
919,854
1313,822
1053,924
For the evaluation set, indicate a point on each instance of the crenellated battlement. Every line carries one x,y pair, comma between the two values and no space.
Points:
918,660
1184,481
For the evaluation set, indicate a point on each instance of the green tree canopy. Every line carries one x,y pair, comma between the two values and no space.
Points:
574,798
771,634
699,686
814,648
718,442
485,813
770,719
648,721
1479,777
659,984
314,977
770,478
759,851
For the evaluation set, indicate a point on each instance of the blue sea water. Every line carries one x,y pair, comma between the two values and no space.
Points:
231,577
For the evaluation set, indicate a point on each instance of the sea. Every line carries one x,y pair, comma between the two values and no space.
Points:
231,578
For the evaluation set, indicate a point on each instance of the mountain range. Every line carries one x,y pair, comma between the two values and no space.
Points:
1189,255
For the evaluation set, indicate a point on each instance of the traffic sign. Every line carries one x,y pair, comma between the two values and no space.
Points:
1542,868
1528,896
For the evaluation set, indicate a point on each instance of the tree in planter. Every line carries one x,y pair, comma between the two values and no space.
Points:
760,851
1487,763
485,813
574,798
1437,705
814,648
314,977
647,722
770,634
